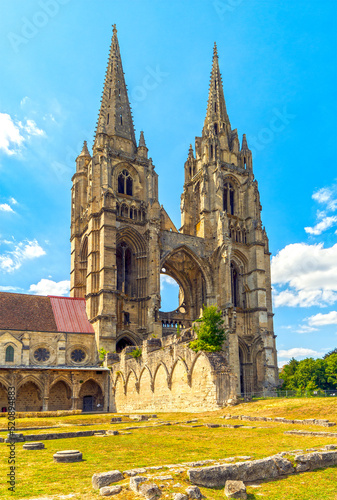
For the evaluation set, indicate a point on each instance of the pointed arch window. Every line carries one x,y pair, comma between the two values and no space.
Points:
216,128
228,198
124,269
9,354
235,285
125,183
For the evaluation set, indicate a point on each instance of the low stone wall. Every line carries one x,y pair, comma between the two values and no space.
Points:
273,467
37,414
308,421
51,435
171,377
308,433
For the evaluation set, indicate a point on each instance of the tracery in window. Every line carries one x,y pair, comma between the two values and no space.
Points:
125,183
228,198
124,268
41,354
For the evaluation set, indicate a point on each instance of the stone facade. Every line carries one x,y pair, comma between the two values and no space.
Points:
122,239
171,377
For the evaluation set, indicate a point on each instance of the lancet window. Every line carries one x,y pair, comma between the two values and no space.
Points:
235,285
124,269
125,183
228,198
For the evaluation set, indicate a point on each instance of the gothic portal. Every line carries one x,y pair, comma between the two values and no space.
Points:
122,239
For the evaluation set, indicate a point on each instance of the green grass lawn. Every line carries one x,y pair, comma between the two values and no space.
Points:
38,476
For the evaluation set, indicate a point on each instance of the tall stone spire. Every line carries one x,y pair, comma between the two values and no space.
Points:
216,107
115,115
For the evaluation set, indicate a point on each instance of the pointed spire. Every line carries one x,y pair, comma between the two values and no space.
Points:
244,146
190,152
142,140
85,151
216,107
115,113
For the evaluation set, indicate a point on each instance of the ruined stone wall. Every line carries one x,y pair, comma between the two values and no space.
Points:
171,377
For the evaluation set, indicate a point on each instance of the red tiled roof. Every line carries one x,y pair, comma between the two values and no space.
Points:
43,314
70,315
26,312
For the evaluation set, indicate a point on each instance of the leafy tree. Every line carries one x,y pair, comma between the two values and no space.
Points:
330,353
102,353
331,370
287,374
210,333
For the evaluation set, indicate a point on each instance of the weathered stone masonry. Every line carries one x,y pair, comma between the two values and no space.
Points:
171,377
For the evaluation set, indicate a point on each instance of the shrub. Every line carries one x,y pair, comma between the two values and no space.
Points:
210,333
136,353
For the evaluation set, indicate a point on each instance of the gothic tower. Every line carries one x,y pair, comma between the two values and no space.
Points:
221,204
122,239
115,222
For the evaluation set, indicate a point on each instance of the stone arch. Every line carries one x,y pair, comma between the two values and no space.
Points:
194,277
146,387
119,167
29,395
201,377
245,368
60,395
258,364
131,263
161,389
124,340
132,386
91,396
119,391
179,383
3,395
83,266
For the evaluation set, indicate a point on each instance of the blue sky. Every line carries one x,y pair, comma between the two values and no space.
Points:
278,62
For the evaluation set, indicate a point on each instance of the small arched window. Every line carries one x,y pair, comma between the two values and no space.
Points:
9,354
216,128
125,183
125,271
228,198
235,285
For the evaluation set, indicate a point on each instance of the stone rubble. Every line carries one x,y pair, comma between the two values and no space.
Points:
308,421
108,491
235,489
106,478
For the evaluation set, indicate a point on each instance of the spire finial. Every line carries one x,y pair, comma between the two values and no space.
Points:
142,140
115,117
215,50
85,151
190,152
244,146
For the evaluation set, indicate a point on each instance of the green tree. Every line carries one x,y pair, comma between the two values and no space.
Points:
330,353
331,371
210,333
287,375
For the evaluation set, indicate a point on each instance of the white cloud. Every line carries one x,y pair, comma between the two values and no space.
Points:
299,352
49,287
4,207
10,136
306,329
25,250
164,278
13,134
9,288
321,226
323,319
31,128
323,195
13,201
310,273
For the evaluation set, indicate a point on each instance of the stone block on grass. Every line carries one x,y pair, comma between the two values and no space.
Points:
150,491
194,493
235,489
108,491
102,479
136,481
